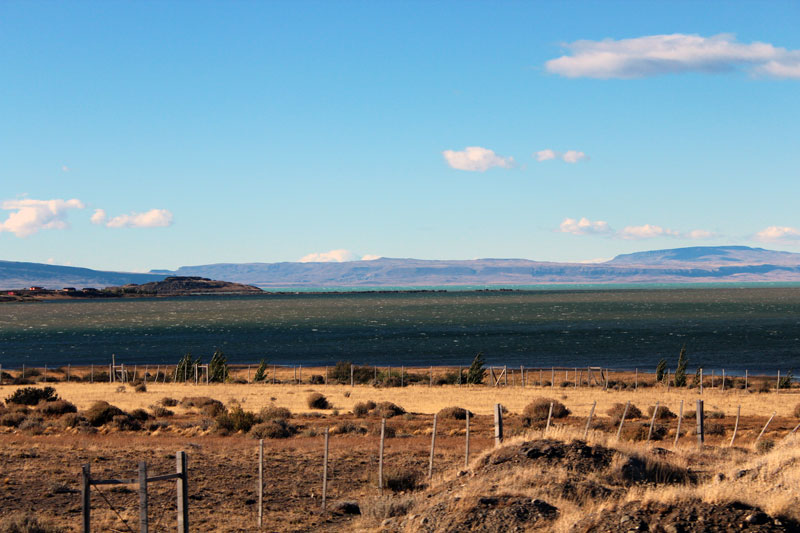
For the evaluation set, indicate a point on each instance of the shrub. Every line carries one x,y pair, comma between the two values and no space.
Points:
261,372
763,386
663,412
272,412
680,372
388,410
33,424
641,430
765,445
26,523
401,480
160,412
476,371
102,412
661,370
125,422
166,401
56,408
32,395
714,414
343,428
456,413
797,411
715,429
539,409
616,410
316,400
140,414
207,406
218,368
71,420
12,419
140,387
317,379
361,409
273,429
237,419
361,374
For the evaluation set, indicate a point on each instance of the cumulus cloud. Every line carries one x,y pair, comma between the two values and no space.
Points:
31,216
654,55
699,234
370,257
584,226
570,156
647,231
155,218
778,233
476,159
333,256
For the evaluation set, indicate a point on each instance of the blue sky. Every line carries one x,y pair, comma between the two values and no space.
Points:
138,135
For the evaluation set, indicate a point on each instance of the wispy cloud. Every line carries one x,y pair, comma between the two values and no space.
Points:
647,231
155,218
570,156
336,256
584,226
370,257
476,159
31,216
654,55
778,233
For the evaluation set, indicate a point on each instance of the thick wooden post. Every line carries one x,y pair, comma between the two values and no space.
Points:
85,499
498,424
736,426
300,374
433,447
678,430
466,450
652,422
380,454
143,524
182,493
764,429
701,437
325,471
589,421
549,416
576,378
622,420
261,483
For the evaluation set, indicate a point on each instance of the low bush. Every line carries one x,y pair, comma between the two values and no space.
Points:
401,480
140,414
166,401
56,408
387,410
71,420
361,409
208,406
539,409
316,400
641,430
316,379
797,411
125,422
455,413
389,432
32,395
343,428
765,445
140,387
236,419
33,424
273,429
102,412
616,410
715,414
12,419
663,412
27,523
272,412
715,428
160,412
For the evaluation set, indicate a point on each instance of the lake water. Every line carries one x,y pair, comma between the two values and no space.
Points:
735,328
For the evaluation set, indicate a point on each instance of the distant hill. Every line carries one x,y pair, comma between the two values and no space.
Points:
679,265
16,275
183,286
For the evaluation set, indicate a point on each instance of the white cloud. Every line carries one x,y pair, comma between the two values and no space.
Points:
699,234
545,155
370,257
333,256
64,168
584,226
155,218
30,215
778,233
647,231
476,159
653,55
570,156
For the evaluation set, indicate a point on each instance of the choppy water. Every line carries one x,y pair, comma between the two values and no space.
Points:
732,328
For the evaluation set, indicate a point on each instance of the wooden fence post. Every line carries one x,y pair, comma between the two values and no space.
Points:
300,374
552,377
736,426
466,451
652,422
778,382
261,483
182,493
351,375
745,380
701,437
325,471
85,499
622,420
522,376
605,387
549,416
249,380
636,383
498,424
433,447
143,524
764,429
380,454
678,430
723,380
589,421
505,374
701,381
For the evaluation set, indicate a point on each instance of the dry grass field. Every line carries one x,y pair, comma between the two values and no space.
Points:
550,480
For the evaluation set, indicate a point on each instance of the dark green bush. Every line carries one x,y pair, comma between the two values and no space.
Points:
32,395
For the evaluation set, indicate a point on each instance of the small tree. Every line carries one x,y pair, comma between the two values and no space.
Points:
697,373
261,373
218,368
680,372
786,381
185,368
476,371
661,369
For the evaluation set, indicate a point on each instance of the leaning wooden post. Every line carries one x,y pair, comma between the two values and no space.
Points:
433,447
652,423
549,416
261,482
605,387
182,493
678,430
736,426
380,454
622,420
589,421
701,437
85,500
764,429
498,424
325,471
143,525
466,450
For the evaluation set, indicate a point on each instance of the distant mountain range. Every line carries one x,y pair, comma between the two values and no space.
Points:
678,265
